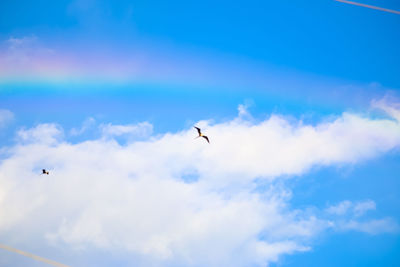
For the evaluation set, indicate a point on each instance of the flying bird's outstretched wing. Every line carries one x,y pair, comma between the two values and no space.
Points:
43,171
198,130
205,137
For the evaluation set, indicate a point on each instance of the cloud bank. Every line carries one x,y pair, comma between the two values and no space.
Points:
172,200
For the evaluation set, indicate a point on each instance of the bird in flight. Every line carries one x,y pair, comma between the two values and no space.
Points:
201,135
45,172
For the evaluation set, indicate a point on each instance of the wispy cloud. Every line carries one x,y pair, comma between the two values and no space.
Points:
143,129
347,218
340,209
362,207
6,116
15,43
353,209
87,124
133,197
388,104
26,57
373,227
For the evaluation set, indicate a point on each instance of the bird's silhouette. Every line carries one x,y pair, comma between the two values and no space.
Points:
45,172
201,135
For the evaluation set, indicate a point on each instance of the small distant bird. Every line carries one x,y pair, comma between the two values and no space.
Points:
201,135
45,172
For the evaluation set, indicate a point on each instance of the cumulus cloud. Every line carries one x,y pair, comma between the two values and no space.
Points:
134,197
47,134
5,117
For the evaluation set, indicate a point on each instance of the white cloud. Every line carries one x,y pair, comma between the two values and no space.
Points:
6,116
20,50
26,55
142,129
134,198
87,124
341,208
243,112
355,209
350,212
14,42
362,207
373,227
43,133
390,105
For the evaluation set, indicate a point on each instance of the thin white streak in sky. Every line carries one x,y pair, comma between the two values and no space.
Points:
29,255
369,6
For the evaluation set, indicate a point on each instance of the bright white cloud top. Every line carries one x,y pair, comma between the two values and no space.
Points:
173,200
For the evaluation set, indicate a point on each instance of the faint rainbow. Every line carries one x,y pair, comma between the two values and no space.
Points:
32,256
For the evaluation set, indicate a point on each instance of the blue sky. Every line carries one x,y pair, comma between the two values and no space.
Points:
90,76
